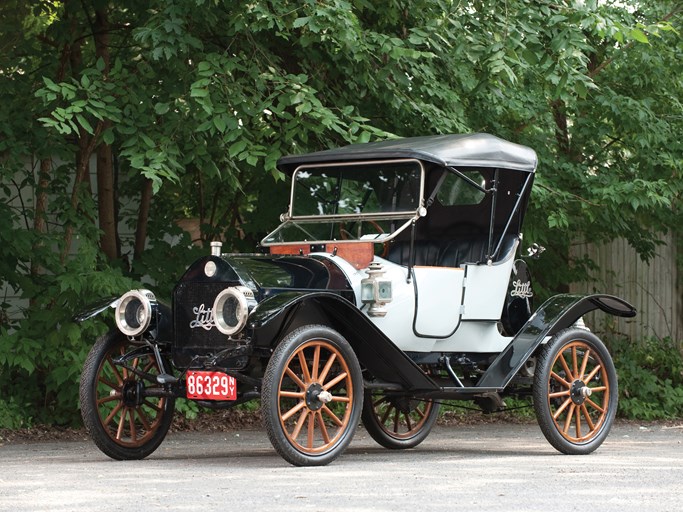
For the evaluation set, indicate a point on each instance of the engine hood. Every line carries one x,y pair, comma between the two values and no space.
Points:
273,279
268,275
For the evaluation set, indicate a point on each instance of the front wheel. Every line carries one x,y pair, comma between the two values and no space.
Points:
575,391
398,422
123,421
312,396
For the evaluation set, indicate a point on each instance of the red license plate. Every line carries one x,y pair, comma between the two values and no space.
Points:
210,386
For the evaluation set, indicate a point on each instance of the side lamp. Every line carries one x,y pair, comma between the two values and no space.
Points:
375,290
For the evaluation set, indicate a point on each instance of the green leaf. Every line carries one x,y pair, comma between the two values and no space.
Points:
580,88
199,93
85,124
300,22
363,137
639,35
108,136
161,108
206,125
137,161
27,365
51,85
219,123
561,85
304,107
237,148
147,140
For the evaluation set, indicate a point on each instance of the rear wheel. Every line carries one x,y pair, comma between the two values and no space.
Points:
575,391
122,420
312,396
398,422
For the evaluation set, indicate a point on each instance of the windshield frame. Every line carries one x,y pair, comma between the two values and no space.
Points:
407,216
358,216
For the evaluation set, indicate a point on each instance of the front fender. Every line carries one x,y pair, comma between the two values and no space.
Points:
557,313
96,308
274,318
161,328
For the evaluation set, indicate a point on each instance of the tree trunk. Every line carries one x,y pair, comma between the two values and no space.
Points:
143,217
558,108
82,159
561,129
39,222
106,199
86,144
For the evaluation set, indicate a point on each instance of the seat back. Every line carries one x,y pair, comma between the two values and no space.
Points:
455,253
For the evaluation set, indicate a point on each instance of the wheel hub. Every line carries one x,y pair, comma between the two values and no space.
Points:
579,392
132,393
404,404
316,397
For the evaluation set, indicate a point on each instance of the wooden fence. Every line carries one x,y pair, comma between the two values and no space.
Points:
653,287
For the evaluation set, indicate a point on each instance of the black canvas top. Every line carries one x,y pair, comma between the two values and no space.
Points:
465,150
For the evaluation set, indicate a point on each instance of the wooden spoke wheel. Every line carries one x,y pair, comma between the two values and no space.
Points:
124,422
398,422
575,391
312,396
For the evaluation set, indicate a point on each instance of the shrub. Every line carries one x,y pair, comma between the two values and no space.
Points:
650,378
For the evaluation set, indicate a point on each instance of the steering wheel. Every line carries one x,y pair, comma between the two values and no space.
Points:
345,234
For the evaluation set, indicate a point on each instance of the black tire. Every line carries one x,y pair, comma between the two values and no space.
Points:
398,422
122,426
310,361
575,391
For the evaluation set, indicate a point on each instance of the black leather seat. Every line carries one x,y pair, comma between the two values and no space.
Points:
426,253
455,253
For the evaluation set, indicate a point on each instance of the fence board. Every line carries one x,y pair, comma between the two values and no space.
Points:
652,287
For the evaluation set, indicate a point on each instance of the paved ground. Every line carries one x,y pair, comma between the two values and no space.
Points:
483,467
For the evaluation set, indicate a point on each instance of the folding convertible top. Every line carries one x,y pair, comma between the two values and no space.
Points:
464,150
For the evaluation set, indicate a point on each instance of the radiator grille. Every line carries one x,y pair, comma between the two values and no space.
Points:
195,332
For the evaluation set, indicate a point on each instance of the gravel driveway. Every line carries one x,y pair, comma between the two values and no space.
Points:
476,467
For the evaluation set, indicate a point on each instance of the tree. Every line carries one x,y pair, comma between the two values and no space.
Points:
184,108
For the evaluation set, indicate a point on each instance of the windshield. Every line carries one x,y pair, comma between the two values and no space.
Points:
359,201
374,188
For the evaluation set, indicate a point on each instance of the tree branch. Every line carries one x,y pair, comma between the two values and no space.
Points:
628,45
578,198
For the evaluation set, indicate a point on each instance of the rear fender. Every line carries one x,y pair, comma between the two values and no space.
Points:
279,315
556,314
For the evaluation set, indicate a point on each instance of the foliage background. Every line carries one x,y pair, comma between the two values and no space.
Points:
179,109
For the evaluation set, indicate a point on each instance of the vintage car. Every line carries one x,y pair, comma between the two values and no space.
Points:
390,285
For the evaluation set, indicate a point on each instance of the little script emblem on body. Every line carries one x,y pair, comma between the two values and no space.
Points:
204,318
521,289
